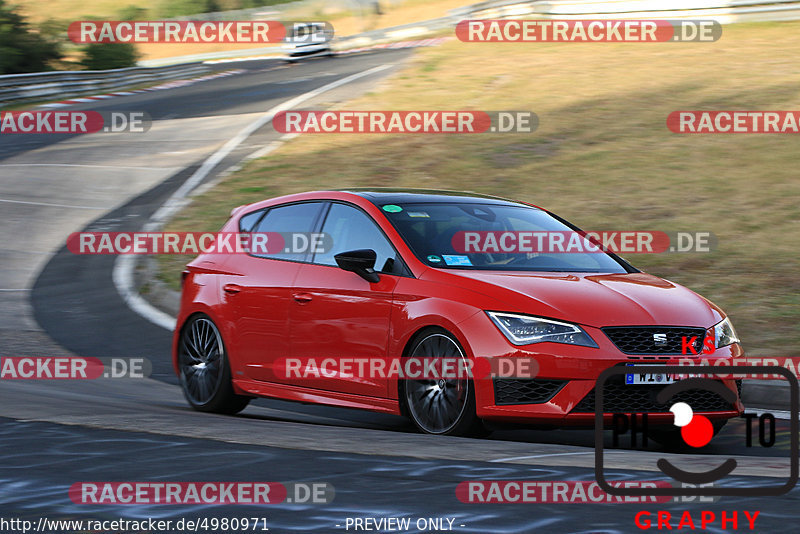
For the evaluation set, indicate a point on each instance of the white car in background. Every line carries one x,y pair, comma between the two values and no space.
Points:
306,40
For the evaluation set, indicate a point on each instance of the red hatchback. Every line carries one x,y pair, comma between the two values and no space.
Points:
337,322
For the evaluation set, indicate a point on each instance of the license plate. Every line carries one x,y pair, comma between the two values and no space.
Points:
643,377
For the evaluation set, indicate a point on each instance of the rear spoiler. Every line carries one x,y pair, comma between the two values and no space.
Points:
237,209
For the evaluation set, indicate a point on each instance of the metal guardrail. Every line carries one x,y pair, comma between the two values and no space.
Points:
18,88
723,11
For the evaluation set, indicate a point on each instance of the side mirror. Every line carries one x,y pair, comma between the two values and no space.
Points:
361,262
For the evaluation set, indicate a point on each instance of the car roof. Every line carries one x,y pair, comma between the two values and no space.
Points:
381,196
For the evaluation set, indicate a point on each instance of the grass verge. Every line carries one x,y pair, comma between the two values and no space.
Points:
602,156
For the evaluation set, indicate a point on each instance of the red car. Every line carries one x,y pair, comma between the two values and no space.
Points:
391,286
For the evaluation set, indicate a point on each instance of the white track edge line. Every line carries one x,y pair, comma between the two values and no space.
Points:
125,265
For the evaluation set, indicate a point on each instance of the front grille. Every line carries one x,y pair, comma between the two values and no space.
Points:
644,339
622,398
525,390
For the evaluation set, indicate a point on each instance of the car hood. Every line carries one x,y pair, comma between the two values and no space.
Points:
594,299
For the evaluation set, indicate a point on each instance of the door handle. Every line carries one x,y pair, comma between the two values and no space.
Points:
302,297
231,288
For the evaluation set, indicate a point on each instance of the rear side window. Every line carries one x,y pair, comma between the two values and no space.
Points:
288,219
247,222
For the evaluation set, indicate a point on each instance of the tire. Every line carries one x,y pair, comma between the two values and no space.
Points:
205,375
441,407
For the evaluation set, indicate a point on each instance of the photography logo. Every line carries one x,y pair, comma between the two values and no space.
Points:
695,430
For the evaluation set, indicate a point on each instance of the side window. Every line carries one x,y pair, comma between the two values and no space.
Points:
291,218
352,229
247,221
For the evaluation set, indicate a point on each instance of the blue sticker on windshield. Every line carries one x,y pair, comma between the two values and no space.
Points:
456,260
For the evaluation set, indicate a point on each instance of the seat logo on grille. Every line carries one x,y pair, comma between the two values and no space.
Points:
660,340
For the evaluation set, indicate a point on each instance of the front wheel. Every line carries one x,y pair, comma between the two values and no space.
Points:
204,372
441,406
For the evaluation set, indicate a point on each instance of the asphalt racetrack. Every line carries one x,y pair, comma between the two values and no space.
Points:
53,303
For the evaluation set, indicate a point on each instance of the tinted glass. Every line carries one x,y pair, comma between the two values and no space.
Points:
247,221
291,218
429,230
352,229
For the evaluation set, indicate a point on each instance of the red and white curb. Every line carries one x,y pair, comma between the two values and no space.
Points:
166,85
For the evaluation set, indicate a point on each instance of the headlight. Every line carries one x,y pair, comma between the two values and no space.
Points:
724,334
524,330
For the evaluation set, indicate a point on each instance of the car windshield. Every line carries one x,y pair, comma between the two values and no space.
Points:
497,238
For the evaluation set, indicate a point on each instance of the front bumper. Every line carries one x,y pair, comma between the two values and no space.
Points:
568,374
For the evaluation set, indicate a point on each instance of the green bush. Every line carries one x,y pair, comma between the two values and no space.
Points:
132,13
103,56
182,8
23,50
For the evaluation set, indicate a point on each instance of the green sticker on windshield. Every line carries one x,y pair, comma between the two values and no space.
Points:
392,208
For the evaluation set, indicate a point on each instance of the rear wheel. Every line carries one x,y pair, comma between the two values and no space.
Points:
204,372
441,406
